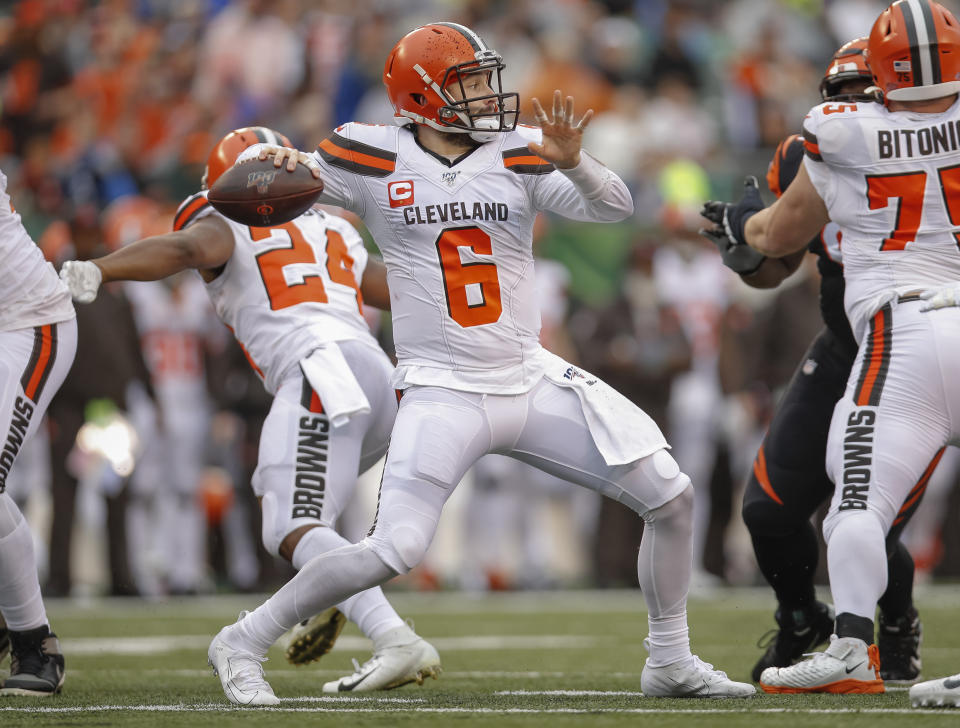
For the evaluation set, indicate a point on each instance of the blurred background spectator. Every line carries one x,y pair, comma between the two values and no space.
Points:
108,110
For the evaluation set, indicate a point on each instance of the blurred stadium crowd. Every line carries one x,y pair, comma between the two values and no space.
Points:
109,110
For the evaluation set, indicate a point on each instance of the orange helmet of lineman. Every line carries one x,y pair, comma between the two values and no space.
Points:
848,64
914,51
226,151
427,62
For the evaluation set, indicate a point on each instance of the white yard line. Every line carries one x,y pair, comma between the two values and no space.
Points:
222,708
172,643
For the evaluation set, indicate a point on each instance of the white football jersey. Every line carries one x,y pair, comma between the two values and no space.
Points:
287,289
891,181
456,237
175,325
31,292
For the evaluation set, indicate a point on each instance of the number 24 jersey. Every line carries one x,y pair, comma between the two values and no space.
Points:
456,237
289,289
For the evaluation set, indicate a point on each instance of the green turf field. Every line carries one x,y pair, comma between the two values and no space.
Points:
547,659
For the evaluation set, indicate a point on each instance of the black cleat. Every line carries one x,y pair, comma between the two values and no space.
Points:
899,644
36,665
800,631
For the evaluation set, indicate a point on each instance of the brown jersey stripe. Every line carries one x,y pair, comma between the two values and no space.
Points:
811,146
760,473
188,210
338,155
876,360
352,145
42,358
912,501
354,161
523,161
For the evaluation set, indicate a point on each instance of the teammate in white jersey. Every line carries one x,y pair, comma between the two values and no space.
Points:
292,295
174,319
889,175
450,195
38,340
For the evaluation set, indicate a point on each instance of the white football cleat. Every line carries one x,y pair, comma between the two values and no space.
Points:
312,638
847,666
391,666
240,672
691,678
943,692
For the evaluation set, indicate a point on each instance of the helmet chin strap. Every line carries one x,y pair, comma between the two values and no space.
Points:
485,130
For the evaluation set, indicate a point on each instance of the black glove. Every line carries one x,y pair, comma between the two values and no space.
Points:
727,233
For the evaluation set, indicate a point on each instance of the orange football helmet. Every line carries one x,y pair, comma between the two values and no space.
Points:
847,64
226,151
427,61
914,51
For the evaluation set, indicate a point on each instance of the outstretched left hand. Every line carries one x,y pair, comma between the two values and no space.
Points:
561,137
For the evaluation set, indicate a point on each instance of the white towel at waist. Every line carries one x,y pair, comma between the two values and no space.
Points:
622,432
333,381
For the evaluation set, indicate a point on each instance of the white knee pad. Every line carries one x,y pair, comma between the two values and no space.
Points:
401,540
402,549
655,481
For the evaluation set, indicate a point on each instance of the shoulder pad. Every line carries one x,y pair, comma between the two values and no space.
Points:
518,158
362,149
189,209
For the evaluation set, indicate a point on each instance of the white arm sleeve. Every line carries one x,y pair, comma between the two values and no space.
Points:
589,191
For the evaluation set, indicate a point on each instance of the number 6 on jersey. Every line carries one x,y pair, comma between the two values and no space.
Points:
472,289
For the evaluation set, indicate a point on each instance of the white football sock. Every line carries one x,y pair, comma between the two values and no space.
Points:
323,581
664,567
369,609
20,601
857,563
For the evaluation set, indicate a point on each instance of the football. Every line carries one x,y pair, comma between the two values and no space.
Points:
258,194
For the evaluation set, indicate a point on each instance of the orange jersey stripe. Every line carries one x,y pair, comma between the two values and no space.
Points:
760,473
876,360
811,147
920,488
45,348
186,213
530,159
357,157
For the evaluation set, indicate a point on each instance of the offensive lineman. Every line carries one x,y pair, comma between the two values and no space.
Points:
789,482
290,294
889,176
38,340
450,196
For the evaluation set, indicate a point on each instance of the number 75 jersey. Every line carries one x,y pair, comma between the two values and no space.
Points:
891,181
456,237
288,289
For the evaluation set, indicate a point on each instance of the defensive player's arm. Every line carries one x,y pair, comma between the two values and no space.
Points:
773,271
373,286
789,223
207,243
